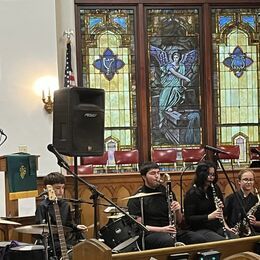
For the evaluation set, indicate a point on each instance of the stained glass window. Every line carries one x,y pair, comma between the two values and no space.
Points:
108,58
236,83
174,80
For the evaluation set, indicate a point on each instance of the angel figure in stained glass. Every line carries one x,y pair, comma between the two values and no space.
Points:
176,69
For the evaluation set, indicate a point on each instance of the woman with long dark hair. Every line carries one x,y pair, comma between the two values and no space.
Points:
203,205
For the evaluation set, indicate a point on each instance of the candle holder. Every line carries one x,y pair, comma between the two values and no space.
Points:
48,101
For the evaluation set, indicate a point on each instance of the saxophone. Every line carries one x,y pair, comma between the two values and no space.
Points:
221,220
243,226
169,197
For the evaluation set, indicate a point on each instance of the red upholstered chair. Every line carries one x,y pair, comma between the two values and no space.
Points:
233,153
95,160
192,155
254,153
165,156
126,158
83,169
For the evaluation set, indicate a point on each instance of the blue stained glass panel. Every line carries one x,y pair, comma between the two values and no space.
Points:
121,21
249,20
93,21
223,20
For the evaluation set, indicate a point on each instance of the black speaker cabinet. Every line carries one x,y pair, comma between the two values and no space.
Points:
78,121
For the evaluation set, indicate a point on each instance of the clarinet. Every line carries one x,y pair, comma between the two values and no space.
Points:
221,220
243,227
169,197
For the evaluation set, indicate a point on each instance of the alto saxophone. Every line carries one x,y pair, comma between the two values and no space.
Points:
221,220
243,227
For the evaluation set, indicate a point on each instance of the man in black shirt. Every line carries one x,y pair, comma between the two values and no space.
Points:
235,215
161,233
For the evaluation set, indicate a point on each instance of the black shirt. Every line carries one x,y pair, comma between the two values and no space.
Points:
155,207
47,205
198,204
233,210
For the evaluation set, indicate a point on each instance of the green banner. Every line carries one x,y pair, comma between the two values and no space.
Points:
21,173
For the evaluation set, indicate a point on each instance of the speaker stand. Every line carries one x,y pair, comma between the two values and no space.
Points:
76,193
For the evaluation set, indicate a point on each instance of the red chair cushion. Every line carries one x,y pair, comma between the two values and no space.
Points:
126,157
164,155
83,169
254,155
95,160
232,150
193,155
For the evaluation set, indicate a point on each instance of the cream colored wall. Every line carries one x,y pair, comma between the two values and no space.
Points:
31,46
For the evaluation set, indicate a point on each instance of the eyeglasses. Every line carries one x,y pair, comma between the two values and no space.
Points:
247,180
211,175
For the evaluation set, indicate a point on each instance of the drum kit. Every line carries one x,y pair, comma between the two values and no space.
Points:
120,233
18,250
28,251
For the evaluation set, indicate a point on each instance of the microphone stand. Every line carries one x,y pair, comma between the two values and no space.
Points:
76,192
51,237
234,192
95,192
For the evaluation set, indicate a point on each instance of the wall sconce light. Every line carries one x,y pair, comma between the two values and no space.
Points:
47,100
47,85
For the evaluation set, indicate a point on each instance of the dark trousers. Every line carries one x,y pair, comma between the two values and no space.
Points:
218,235
155,240
190,237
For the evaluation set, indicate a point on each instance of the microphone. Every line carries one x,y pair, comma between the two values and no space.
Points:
254,150
52,149
215,150
5,137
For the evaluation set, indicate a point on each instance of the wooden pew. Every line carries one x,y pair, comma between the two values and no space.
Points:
96,250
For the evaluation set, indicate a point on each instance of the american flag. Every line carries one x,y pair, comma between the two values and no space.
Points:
69,79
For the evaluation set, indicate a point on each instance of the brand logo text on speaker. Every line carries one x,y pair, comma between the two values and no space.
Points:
90,115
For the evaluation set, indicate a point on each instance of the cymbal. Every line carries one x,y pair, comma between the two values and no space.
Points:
119,215
141,194
112,209
40,229
8,222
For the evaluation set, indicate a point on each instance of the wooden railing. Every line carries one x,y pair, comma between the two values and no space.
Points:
95,250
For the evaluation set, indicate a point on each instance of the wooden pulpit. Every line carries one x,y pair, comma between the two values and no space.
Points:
11,205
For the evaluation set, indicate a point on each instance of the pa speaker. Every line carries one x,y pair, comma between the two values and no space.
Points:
78,121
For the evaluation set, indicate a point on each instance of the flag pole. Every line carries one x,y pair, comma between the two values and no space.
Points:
69,81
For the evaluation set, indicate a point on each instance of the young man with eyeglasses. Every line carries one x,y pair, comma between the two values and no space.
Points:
235,215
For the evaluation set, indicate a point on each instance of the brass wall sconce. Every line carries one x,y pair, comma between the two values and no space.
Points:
48,101
45,86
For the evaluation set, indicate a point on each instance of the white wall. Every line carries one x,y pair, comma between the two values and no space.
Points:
31,46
